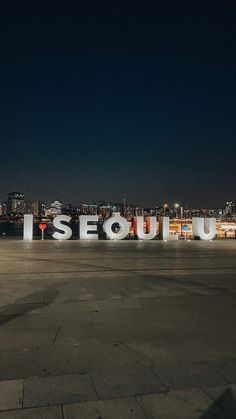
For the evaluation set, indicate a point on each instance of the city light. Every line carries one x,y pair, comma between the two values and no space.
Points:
91,220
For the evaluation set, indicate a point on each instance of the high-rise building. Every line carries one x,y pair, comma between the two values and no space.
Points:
16,203
230,208
55,209
36,208
42,209
89,209
3,209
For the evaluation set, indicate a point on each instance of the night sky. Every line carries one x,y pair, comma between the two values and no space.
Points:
101,98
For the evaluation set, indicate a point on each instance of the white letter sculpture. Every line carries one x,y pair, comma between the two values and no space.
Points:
84,227
67,230
164,228
123,227
138,228
204,228
28,227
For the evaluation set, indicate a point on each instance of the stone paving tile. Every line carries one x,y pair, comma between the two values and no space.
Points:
192,301
20,309
196,320
127,408
155,321
60,360
125,285
191,348
124,325
105,271
153,263
26,338
22,266
46,391
54,412
9,296
181,404
187,375
227,369
225,397
76,307
124,382
11,393
94,326
89,286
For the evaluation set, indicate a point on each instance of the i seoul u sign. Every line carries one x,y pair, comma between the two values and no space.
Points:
203,228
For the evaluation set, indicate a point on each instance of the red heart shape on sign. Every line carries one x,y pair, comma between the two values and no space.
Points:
42,226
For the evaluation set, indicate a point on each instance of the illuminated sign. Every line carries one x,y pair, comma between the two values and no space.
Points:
151,227
28,227
204,228
117,228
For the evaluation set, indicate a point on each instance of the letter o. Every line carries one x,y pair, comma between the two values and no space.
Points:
124,227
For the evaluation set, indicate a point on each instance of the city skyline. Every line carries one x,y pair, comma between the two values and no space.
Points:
154,202
18,198
78,201
98,101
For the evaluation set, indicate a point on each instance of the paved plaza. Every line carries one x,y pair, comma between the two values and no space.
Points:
117,330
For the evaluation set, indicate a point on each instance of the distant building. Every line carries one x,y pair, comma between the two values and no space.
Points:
37,208
55,209
230,209
101,208
43,208
88,209
71,210
16,203
216,213
3,209
106,209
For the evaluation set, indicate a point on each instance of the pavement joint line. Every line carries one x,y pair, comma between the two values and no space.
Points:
162,382
220,373
141,303
94,342
142,407
23,394
62,411
97,370
19,409
145,358
22,409
214,401
135,396
95,270
227,292
94,386
55,337
45,303
31,259
61,405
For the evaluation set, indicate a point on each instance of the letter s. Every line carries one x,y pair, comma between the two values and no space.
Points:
67,230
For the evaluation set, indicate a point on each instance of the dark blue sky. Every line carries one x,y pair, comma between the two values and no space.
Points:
102,98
